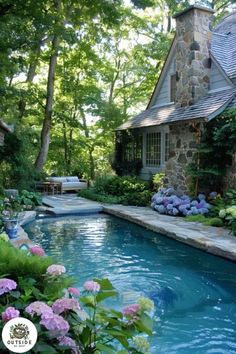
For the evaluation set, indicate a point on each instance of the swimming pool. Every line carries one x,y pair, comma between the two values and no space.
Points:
194,293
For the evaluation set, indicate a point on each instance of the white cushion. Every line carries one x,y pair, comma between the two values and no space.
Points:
57,179
72,179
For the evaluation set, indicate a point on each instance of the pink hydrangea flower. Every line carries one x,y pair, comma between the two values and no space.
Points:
62,305
56,269
92,286
56,324
38,308
68,342
37,251
131,310
74,291
10,313
7,285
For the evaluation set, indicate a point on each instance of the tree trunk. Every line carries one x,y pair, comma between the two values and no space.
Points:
30,76
90,148
46,129
70,150
65,142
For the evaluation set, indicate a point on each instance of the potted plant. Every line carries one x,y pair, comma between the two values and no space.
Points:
10,209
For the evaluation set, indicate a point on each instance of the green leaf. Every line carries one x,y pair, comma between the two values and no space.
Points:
88,301
105,294
105,284
85,335
43,348
105,348
145,324
15,294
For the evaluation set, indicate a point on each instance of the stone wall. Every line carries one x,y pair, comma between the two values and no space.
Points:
183,146
192,55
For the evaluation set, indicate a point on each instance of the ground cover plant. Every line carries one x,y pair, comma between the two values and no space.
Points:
123,190
68,319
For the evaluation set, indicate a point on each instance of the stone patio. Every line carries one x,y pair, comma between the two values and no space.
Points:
214,240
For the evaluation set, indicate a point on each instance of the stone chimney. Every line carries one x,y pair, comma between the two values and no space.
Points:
192,54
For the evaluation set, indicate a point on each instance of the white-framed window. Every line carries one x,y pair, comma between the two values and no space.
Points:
156,147
153,149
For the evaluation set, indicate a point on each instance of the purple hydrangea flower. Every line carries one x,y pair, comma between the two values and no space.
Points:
56,269
194,210
38,308
68,342
56,324
201,196
6,285
161,209
194,203
213,195
10,313
62,305
92,286
175,211
131,310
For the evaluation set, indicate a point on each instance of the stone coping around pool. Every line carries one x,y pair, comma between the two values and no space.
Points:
214,240
67,204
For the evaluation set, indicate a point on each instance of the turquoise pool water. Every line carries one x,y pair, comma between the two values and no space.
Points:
195,293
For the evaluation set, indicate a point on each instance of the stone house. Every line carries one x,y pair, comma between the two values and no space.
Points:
197,83
4,128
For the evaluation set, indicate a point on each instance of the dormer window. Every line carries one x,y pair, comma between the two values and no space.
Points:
172,87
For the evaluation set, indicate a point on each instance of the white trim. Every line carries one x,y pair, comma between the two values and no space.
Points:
156,129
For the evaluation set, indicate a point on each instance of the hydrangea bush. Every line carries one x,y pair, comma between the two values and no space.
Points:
165,201
74,321
229,217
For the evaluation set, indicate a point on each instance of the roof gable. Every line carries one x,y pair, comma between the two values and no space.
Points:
160,94
218,78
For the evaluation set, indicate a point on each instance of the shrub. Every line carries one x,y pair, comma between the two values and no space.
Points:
229,217
123,190
103,198
137,198
29,199
68,320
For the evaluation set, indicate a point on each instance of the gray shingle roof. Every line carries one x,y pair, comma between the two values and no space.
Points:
223,44
206,108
